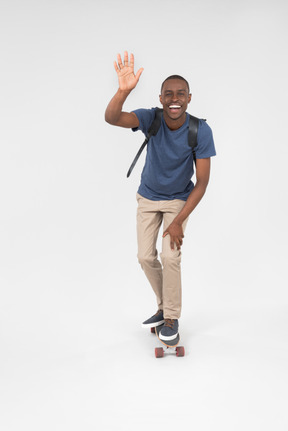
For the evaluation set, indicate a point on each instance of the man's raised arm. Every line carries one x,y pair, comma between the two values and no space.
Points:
127,82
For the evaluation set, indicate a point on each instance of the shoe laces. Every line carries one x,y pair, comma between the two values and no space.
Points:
169,323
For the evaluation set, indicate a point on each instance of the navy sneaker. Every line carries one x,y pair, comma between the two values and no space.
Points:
169,330
156,320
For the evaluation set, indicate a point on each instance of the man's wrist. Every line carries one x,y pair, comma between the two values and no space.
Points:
178,220
124,93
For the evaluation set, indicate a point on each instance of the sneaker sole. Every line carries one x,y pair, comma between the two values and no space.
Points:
165,338
152,325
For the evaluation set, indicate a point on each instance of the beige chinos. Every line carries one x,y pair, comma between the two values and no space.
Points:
164,278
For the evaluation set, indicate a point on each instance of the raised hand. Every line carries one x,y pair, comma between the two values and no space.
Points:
126,77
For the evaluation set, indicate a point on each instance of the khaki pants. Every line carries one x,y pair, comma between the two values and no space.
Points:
165,279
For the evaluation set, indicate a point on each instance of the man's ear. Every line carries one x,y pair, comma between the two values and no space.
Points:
160,98
189,97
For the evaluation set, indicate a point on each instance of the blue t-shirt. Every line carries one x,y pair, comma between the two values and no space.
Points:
169,167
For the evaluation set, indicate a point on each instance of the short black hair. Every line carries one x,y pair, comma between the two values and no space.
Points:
175,77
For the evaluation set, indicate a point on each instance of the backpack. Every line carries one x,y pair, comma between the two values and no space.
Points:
155,126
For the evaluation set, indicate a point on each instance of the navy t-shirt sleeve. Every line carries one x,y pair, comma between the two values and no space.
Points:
145,117
205,147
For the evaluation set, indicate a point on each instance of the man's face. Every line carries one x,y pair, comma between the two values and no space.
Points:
175,98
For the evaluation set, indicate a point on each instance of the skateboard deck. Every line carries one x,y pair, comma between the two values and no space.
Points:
169,344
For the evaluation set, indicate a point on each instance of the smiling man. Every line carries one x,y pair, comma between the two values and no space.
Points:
166,194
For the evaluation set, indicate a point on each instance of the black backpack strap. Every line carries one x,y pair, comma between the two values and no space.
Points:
192,134
155,126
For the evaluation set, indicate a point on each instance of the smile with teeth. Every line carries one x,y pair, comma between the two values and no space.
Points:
174,107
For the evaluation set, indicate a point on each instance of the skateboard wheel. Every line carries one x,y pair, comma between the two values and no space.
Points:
152,330
159,352
180,351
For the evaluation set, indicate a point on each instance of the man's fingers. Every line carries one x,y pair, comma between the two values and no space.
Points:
178,244
176,241
138,74
119,59
132,60
125,58
116,66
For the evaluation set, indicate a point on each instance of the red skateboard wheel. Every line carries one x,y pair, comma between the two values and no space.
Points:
180,351
159,352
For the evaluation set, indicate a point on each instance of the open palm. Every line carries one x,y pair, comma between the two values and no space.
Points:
126,77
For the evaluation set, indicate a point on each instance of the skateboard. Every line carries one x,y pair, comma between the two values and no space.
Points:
171,345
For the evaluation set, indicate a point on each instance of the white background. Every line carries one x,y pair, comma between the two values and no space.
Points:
73,353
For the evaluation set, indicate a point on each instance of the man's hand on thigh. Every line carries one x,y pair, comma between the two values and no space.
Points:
175,231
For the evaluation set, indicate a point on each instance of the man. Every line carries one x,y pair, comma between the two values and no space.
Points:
166,193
